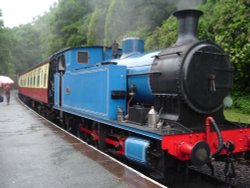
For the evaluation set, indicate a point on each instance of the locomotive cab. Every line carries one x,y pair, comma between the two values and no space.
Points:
79,76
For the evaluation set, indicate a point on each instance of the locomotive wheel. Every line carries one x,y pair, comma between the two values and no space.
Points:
82,135
79,133
67,125
95,127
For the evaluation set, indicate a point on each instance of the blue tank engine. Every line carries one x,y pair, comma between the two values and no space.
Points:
159,109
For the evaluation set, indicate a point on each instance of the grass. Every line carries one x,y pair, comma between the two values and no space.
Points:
236,116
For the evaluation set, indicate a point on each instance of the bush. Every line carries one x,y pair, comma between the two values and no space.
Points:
242,103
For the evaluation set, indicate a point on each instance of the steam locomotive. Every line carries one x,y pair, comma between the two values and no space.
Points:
159,109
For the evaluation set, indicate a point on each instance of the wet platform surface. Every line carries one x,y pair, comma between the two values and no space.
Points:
34,153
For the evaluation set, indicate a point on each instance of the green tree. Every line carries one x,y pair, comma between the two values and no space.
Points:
227,22
67,24
6,66
163,36
41,25
27,50
96,24
130,16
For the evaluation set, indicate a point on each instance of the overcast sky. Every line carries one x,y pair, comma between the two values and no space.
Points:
16,12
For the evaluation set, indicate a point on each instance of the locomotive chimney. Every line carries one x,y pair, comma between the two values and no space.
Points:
187,25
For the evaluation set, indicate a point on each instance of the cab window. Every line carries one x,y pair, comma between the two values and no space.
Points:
82,57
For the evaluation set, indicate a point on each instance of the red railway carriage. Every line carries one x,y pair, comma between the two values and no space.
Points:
34,82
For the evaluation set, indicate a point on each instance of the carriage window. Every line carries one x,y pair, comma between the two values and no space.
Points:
34,81
82,57
38,78
41,82
38,81
44,79
30,81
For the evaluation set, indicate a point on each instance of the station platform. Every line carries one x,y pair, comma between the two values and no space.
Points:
35,153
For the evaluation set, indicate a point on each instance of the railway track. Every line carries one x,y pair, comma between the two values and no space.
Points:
192,177
242,170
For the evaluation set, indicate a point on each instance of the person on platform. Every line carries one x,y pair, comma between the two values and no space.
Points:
7,89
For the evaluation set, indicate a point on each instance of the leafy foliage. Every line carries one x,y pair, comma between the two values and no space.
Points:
227,22
96,26
229,26
163,36
243,103
130,16
6,67
67,27
27,49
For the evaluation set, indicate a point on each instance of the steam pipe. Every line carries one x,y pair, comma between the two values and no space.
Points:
217,130
187,25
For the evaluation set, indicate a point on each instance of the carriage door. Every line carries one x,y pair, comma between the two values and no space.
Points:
61,71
